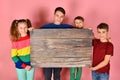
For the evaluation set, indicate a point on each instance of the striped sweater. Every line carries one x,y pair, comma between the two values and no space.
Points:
21,52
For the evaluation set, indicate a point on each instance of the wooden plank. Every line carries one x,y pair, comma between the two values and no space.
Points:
62,33
73,52
62,43
55,62
61,47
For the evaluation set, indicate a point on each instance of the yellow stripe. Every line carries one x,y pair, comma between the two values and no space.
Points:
14,52
21,52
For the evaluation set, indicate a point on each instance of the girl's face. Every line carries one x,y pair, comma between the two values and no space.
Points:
79,23
58,17
22,28
102,33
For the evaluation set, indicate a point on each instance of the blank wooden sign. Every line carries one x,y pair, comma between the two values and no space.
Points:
61,47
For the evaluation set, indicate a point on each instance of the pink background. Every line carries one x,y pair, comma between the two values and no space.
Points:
41,12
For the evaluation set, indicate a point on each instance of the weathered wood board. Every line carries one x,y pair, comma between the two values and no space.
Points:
61,47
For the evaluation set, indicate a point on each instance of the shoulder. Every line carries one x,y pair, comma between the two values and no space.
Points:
47,25
67,25
52,25
96,40
109,48
110,44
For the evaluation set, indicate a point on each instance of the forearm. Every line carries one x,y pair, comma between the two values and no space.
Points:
18,62
102,64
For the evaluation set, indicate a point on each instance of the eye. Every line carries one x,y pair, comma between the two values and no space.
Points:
62,16
98,31
20,27
104,32
57,15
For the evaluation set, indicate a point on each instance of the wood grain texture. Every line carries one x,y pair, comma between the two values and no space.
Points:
61,47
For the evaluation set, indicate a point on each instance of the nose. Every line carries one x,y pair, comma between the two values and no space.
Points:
23,29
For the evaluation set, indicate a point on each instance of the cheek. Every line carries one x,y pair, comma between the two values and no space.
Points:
55,17
82,24
19,30
76,24
99,35
26,29
62,19
103,35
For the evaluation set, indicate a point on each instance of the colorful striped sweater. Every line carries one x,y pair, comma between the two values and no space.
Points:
21,52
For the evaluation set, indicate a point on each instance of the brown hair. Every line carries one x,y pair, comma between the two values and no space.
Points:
59,9
103,26
15,35
79,17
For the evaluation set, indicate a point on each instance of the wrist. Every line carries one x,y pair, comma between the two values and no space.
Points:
23,65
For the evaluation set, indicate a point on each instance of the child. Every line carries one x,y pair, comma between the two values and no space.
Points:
75,73
21,49
102,52
59,15
79,22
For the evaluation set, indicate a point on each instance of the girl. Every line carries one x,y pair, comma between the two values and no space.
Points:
21,48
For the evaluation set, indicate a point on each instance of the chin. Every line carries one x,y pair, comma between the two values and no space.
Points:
103,38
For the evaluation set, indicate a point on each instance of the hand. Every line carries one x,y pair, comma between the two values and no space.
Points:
28,67
109,39
90,28
92,68
30,29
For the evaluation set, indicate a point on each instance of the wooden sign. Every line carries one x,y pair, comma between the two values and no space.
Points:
61,47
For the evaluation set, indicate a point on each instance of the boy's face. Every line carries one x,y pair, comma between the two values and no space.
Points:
102,33
58,17
79,23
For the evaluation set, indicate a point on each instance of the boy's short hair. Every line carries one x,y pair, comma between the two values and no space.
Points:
60,9
79,17
103,26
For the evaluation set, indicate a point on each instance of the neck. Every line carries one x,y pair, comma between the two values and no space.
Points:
80,27
57,23
23,35
103,40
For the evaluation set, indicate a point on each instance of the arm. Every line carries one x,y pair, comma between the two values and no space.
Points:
31,28
28,67
103,63
14,55
109,39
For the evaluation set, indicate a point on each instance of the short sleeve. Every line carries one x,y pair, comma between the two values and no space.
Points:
94,41
109,49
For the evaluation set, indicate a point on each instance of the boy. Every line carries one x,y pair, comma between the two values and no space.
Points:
102,52
59,15
79,22
75,73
